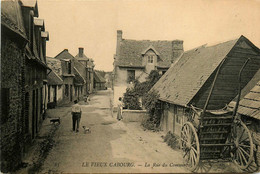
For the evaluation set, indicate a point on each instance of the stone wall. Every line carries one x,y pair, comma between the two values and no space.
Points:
12,62
135,115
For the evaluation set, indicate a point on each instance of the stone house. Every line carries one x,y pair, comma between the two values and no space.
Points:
99,81
188,82
67,74
35,68
13,41
72,72
89,66
23,79
135,59
79,84
55,89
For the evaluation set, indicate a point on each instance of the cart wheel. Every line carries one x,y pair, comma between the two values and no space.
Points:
190,146
243,145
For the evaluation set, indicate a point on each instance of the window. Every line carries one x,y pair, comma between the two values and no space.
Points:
67,90
49,93
5,104
150,59
178,112
130,76
68,66
75,89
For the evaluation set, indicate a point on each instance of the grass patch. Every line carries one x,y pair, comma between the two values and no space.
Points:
45,147
172,140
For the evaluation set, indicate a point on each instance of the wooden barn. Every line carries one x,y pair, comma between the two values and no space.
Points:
249,110
188,82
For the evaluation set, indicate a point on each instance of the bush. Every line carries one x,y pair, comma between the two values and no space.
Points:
149,98
132,95
172,140
153,106
150,125
131,99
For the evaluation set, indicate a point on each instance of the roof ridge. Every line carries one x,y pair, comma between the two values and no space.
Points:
63,52
219,43
146,40
193,49
60,53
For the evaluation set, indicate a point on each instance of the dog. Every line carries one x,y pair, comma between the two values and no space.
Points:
86,129
55,120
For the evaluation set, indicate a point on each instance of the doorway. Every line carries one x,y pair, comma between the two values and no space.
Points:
71,93
33,115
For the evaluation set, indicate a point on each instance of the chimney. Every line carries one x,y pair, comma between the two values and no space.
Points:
81,52
119,35
119,39
177,49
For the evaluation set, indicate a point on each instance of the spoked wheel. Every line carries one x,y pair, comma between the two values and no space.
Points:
190,146
243,145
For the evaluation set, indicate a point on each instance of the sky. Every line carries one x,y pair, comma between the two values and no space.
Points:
92,24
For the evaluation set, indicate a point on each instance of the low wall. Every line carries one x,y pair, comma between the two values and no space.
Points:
134,115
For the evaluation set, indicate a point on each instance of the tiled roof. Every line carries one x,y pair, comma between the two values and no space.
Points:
55,65
78,79
249,103
54,79
80,67
64,55
99,77
152,48
11,17
84,57
130,52
184,79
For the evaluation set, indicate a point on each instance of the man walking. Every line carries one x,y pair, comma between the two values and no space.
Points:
76,115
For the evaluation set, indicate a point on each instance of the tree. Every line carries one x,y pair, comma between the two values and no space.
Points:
132,95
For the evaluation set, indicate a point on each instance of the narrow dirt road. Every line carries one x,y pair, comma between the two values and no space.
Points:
112,146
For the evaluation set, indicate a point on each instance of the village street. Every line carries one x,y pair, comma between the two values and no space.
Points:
110,144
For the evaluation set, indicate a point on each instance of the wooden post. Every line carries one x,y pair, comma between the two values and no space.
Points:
239,87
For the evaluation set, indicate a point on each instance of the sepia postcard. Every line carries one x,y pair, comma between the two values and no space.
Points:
130,86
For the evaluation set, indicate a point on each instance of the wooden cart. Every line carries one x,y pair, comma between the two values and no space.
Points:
216,135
